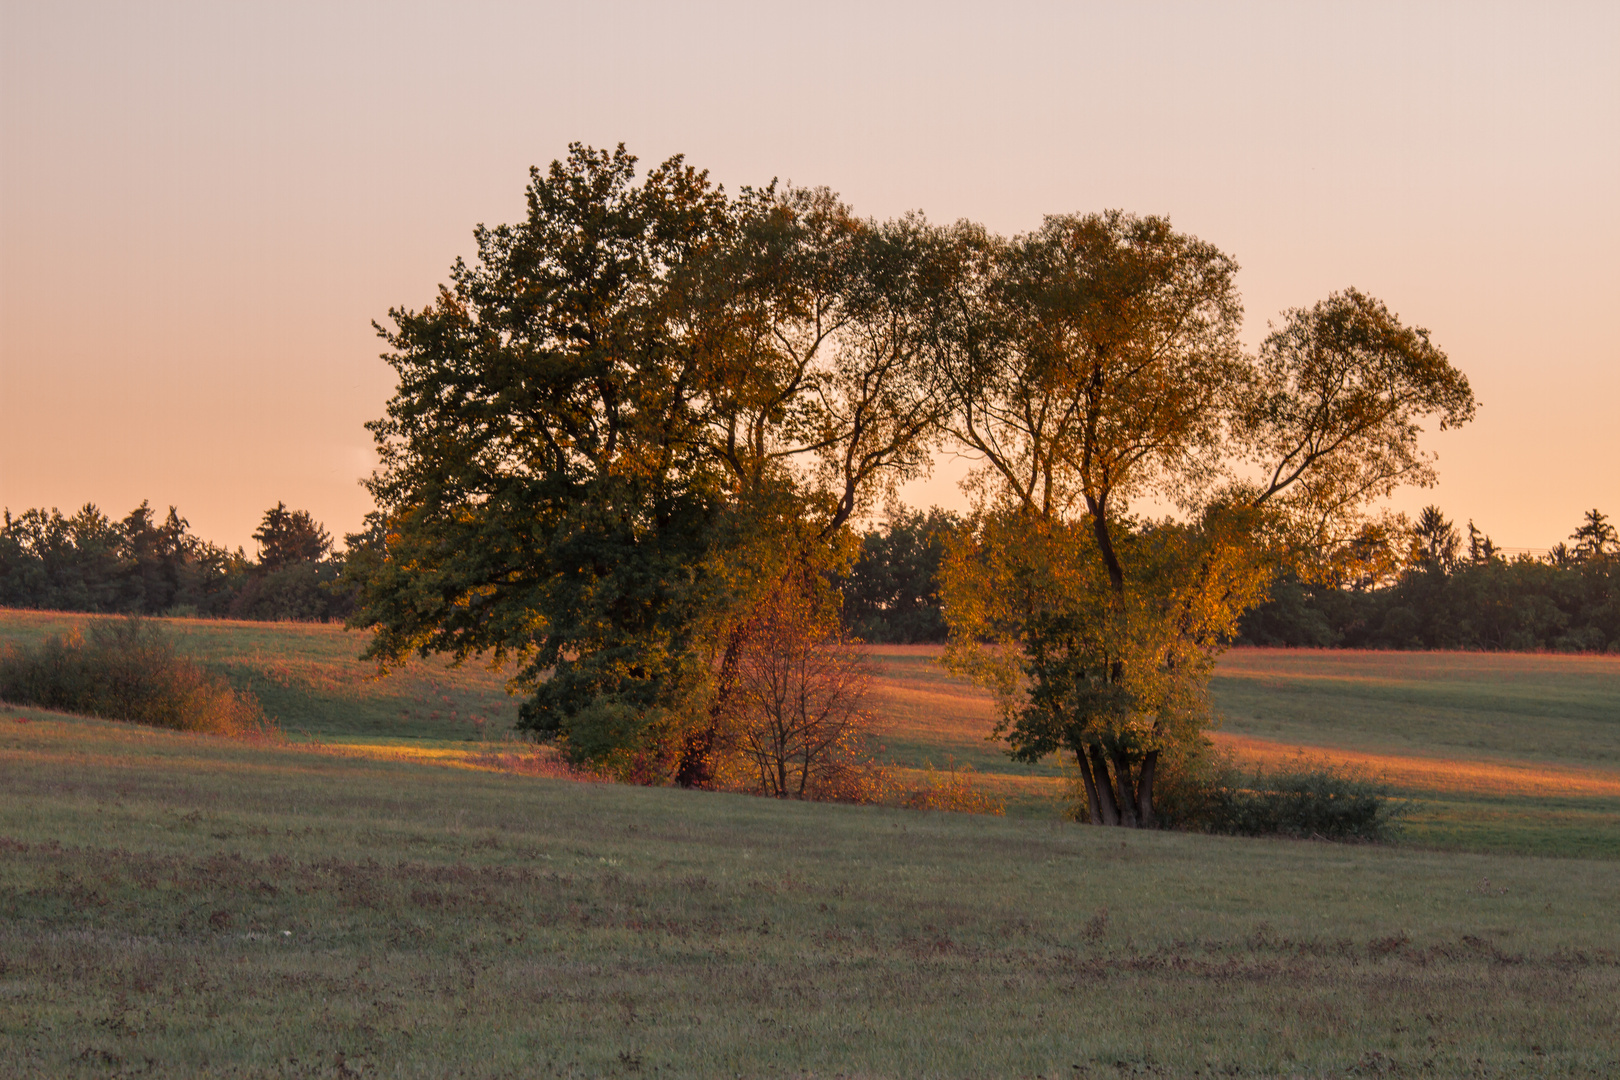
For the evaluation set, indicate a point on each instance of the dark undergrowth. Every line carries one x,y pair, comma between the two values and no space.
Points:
1209,792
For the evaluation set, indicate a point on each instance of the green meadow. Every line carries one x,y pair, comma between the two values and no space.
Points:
309,678
1491,751
363,899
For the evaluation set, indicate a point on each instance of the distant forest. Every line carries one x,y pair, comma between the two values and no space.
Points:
140,565
1429,588
1442,592
1425,588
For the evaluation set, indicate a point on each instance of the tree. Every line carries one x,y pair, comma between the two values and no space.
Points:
545,484
892,592
1481,548
288,537
295,579
89,562
1434,541
1596,538
63,563
644,410
634,414
1096,362
796,721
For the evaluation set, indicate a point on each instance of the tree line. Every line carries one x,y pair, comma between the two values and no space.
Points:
1444,593
1417,585
631,436
141,565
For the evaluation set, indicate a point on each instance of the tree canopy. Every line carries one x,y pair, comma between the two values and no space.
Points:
638,412
624,422
142,564
1108,370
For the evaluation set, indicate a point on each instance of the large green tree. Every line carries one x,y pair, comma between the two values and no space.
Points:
1095,364
627,418
545,487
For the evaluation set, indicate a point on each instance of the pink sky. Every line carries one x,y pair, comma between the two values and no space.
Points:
202,207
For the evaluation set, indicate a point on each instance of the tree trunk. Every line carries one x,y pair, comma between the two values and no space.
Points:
1105,789
1093,808
1127,792
1144,789
696,766
1105,544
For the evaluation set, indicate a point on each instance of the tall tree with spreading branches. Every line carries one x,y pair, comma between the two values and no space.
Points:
641,410
622,423
1095,363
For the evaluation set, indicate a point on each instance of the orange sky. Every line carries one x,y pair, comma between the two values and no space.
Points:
202,208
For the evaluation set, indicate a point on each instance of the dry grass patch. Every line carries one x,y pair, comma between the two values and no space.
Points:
1437,774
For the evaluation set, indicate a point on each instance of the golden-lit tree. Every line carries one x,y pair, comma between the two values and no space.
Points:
1095,362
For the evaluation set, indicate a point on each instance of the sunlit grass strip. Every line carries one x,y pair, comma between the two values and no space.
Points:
1415,772
1381,664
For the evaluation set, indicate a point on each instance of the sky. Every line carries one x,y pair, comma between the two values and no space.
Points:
203,207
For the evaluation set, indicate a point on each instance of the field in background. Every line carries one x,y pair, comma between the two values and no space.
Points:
1559,709
309,678
1502,752
177,905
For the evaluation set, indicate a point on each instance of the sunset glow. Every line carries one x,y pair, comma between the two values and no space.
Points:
202,210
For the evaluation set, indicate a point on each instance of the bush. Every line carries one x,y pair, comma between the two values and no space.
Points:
951,790
127,669
1203,790
1321,802
796,723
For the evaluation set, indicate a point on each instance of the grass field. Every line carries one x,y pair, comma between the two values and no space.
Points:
345,904
1501,752
309,678
179,905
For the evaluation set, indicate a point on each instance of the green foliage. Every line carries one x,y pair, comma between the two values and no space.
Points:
891,594
1568,604
126,669
1319,802
623,424
545,486
290,537
644,407
1199,789
91,563
294,592
1596,538
1434,542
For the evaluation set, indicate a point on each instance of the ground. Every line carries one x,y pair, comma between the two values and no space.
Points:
371,902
